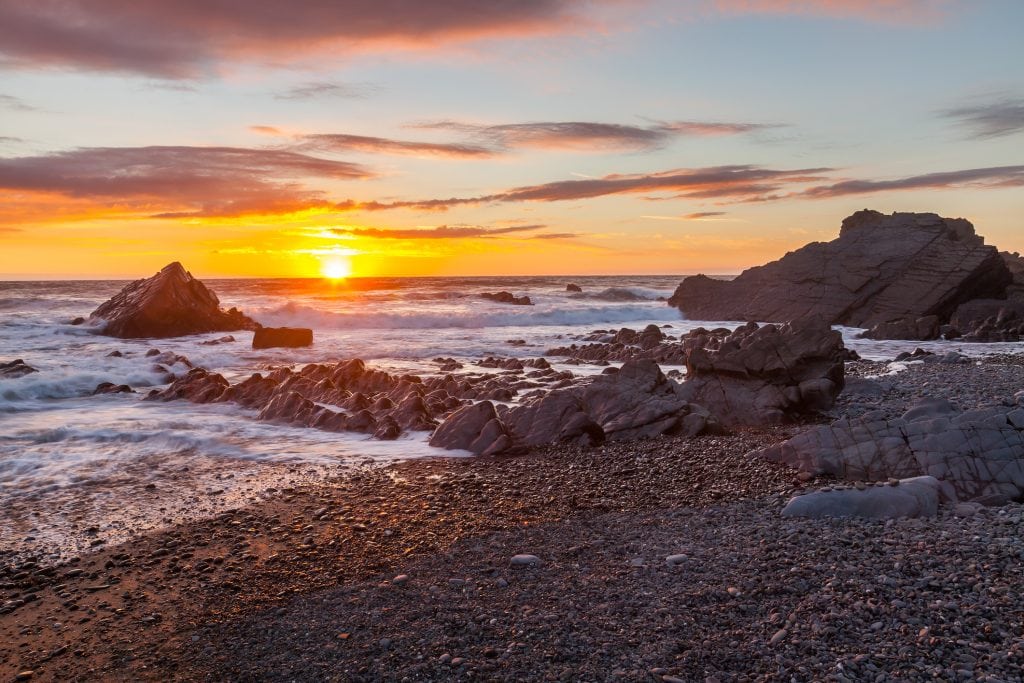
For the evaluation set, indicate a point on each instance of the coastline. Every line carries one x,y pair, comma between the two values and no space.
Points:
215,598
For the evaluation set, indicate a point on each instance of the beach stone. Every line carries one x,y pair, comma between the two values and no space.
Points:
288,337
172,303
673,560
880,269
914,497
524,560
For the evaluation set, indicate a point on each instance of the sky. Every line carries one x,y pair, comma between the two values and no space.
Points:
485,137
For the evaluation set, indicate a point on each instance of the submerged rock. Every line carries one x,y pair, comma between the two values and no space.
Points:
880,269
172,303
287,337
507,298
15,368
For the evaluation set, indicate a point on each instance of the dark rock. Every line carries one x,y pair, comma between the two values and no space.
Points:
507,298
880,269
921,329
172,303
914,497
115,354
111,388
78,321
221,340
573,288
15,368
289,337
767,374
980,453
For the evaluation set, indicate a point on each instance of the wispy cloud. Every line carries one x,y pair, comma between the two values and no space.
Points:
186,38
445,232
179,181
990,119
994,177
739,183
12,103
321,89
340,142
887,11
588,135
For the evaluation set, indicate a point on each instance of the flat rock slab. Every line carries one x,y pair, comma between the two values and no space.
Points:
915,497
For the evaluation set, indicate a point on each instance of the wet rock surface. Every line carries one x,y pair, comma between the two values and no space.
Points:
15,368
172,303
282,337
507,298
880,269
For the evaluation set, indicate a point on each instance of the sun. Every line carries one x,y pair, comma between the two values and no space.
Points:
336,268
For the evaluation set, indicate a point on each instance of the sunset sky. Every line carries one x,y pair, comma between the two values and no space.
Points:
475,137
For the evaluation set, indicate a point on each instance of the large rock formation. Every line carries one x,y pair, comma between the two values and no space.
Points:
980,453
760,375
880,269
636,401
172,303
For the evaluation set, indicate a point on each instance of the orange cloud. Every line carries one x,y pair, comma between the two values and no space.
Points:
899,11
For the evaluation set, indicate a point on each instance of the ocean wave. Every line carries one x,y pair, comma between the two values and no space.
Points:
623,294
482,316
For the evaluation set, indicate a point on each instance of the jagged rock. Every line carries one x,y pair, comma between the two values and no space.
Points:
15,368
914,497
571,287
989,320
172,303
475,428
635,402
767,374
220,340
880,269
288,337
980,453
507,298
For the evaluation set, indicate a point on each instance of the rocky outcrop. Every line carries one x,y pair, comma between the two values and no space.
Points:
760,375
572,287
625,344
920,329
634,402
349,396
880,269
286,337
507,298
914,497
172,303
15,368
988,320
980,453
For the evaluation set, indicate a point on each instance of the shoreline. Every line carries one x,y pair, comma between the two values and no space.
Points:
212,599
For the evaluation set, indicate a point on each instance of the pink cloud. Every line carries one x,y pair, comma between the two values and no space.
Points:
183,38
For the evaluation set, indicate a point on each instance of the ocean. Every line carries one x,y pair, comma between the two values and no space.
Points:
78,470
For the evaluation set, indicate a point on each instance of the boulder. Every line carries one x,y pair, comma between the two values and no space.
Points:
507,298
914,497
111,388
288,337
980,453
573,288
172,303
473,428
760,375
880,269
15,368
921,329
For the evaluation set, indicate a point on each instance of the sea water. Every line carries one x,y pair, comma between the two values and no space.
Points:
78,469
